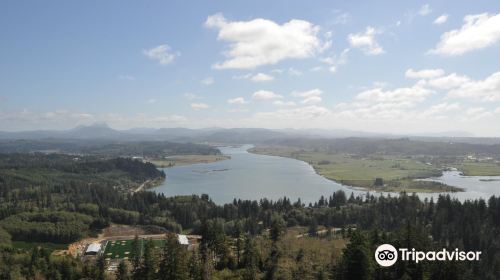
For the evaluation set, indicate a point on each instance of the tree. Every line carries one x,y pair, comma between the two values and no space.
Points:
136,258
148,268
277,227
379,182
313,227
272,263
356,259
250,260
174,260
195,267
122,271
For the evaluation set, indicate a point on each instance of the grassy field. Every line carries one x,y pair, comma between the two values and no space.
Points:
186,160
473,168
397,173
123,249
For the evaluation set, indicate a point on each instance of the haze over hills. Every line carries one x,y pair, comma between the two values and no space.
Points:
102,131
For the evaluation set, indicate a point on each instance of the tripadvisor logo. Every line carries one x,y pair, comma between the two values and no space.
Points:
387,255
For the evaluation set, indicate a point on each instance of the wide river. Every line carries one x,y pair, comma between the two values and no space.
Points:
252,176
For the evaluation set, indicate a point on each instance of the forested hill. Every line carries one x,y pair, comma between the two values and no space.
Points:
38,171
106,148
401,146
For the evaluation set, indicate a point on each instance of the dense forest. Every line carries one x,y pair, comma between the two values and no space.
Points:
106,148
242,239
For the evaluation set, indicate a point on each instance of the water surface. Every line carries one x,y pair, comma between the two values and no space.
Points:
252,176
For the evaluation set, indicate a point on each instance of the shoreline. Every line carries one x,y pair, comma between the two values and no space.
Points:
185,160
451,189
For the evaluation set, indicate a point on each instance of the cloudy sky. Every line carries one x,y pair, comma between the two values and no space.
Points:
382,66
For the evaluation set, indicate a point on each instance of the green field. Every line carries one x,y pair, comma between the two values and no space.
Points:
396,172
120,249
182,160
473,168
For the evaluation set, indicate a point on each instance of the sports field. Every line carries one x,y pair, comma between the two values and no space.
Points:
123,249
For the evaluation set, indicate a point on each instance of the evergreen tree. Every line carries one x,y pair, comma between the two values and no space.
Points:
250,260
356,260
122,271
174,260
195,267
149,262
136,258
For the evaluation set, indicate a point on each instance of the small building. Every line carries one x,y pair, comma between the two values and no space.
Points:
93,249
182,239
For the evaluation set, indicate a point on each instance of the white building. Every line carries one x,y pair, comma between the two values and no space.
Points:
183,240
93,249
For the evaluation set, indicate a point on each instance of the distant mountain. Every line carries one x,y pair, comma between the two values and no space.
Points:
95,131
101,131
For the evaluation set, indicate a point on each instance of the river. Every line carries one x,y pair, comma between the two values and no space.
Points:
252,176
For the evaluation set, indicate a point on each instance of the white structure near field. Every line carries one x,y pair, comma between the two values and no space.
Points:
93,249
182,239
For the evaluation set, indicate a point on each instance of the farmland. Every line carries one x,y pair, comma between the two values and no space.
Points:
397,172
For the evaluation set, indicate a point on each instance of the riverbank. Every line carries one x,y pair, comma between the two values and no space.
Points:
148,184
371,173
182,160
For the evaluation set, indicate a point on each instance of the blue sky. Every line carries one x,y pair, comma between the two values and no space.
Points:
386,66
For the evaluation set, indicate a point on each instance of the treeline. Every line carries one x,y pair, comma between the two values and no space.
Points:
106,148
40,171
258,228
399,146
47,226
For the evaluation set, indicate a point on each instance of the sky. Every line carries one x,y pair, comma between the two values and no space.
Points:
379,66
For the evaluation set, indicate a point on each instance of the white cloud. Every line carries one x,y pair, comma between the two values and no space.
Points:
335,61
424,73
478,32
199,106
447,82
284,103
265,95
440,109
261,42
261,77
308,93
208,81
402,97
366,41
476,113
484,90
425,10
312,100
151,101
237,101
497,110
441,19
309,97
300,115
162,53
